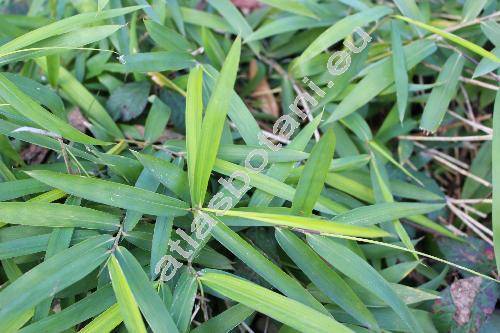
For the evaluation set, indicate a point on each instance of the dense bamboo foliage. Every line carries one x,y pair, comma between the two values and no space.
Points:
249,166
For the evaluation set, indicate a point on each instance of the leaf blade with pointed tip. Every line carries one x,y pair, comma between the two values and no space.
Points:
441,96
454,38
313,176
286,310
127,304
147,299
399,69
31,110
213,122
113,194
324,277
51,276
350,264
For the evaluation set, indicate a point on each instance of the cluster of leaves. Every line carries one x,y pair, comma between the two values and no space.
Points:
118,117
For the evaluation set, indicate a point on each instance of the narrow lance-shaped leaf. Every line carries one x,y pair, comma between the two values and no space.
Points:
313,176
440,97
62,26
324,277
60,239
283,309
263,266
313,224
183,299
127,304
113,194
381,212
51,276
31,110
105,322
399,69
142,291
194,114
496,179
88,104
213,123
350,264
454,38
90,306
225,321
383,193
341,29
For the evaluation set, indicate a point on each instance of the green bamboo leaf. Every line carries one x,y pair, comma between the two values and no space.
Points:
157,61
378,77
409,8
235,19
287,24
399,69
18,188
125,299
312,178
212,48
113,194
486,65
105,322
157,120
159,244
454,38
167,38
51,276
183,300
383,193
63,26
342,29
145,181
275,187
382,151
175,10
53,64
490,28
238,111
281,171
167,173
398,272
472,8
30,109
313,224
88,104
382,212
213,122
142,292
496,179
325,278
56,215
101,4
350,264
203,18
283,309
263,266
88,307
225,321
194,114
441,96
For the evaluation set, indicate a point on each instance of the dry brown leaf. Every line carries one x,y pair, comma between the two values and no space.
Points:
463,293
263,92
247,4
34,154
77,120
